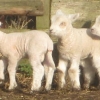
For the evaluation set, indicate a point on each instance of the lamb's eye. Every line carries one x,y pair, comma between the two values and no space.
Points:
62,24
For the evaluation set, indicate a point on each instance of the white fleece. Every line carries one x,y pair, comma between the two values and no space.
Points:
75,45
37,47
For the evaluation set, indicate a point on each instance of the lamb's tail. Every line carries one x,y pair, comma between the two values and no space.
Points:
49,67
49,59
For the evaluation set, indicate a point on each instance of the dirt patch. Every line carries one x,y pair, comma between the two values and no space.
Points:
24,83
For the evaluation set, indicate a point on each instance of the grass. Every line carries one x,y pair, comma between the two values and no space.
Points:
25,67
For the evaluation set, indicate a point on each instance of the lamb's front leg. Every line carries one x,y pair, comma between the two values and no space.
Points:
62,69
74,74
12,64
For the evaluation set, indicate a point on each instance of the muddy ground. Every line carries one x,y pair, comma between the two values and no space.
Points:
24,83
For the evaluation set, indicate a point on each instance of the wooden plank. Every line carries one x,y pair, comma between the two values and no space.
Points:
21,7
43,22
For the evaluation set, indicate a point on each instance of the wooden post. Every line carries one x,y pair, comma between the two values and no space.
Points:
43,22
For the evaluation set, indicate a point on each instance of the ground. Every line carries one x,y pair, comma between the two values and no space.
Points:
24,83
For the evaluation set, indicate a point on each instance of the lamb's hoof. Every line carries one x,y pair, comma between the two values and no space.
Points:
48,88
44,91
76,89
92,88
34,92
98,87
40,91
12,89
2,84
1,81
86,87
61,87
7,90
31,92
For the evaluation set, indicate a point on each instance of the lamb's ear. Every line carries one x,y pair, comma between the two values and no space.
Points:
98,19
73,17
59,12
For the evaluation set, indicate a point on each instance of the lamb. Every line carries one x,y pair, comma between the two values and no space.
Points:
95,30
37,47
76,47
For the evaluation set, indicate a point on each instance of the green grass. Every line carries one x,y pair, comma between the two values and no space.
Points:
25,68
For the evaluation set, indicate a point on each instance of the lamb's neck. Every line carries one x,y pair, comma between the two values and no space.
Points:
68,37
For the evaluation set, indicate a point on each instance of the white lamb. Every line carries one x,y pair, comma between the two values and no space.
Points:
37,47
96,27
75,45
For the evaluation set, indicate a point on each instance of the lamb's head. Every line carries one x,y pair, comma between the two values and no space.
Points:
96,27
61,23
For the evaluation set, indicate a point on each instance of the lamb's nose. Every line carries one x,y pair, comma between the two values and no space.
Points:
50,30
92,30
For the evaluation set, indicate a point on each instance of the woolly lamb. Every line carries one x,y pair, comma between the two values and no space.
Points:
75,45
37,47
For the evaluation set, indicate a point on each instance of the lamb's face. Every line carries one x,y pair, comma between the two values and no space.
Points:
58,25
61,24
96,27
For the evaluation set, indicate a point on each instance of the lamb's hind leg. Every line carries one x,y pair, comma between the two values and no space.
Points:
38,73
96,62
49,67
88,73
